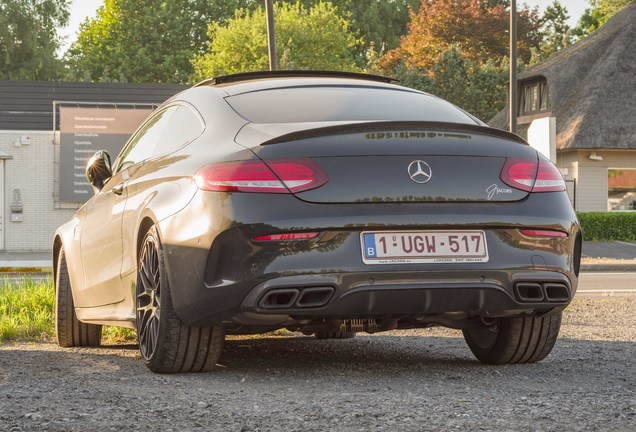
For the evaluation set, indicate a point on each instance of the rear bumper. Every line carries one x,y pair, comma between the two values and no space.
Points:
364,295
381,295
218,274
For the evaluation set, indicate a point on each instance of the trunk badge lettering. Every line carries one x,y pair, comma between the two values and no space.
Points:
493,190
420,171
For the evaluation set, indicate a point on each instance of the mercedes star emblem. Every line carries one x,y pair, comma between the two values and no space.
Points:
420,171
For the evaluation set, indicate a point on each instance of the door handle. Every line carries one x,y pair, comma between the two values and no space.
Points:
119,189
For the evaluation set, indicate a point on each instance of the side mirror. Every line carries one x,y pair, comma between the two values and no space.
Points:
99,170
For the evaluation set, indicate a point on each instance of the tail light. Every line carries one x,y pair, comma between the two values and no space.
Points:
532,176
286,237
549,179
275,176
542,233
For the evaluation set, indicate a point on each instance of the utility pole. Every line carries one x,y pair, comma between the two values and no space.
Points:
512,109
271,35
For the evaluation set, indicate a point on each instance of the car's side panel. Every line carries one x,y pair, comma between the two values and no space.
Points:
69,235
165,184
101,243
155,188
153,193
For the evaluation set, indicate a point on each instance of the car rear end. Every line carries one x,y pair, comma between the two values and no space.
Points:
331,225
355,205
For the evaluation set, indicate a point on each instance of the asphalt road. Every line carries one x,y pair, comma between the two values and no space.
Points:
615,250
610,283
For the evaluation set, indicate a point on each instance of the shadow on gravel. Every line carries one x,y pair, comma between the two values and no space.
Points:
123,346
385,352
306,358
390,353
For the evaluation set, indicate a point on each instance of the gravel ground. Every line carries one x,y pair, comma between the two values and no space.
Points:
409,380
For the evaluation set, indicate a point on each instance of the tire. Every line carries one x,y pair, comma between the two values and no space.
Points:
335,335
70,332
522,339
168,345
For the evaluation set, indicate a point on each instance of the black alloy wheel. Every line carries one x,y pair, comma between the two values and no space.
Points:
148,298
166,343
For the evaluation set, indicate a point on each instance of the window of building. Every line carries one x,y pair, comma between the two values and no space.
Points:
534,97
621,189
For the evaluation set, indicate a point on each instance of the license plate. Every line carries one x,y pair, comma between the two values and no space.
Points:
412,247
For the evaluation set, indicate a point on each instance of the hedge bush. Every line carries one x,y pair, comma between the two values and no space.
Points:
608,226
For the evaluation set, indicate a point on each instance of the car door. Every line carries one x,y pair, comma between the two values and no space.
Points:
101,238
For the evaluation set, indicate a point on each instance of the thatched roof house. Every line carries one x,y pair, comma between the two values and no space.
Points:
592,87
583,102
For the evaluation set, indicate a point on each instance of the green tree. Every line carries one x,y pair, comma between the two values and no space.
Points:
145,40
380,23
557,34
599,14
316,38
479,88
29,39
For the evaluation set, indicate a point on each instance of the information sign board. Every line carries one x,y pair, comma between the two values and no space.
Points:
83,131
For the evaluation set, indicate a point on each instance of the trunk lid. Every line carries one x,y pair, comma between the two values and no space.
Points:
403,165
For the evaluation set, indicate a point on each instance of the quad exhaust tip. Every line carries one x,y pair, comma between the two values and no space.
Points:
556,292
279,298
286,298
532,292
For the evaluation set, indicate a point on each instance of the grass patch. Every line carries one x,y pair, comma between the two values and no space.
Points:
26,309
118,334
27,312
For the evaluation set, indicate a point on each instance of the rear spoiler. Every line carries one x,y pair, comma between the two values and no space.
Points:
374,126
246,76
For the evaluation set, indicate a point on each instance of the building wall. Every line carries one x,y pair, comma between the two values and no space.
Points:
591,175
31,171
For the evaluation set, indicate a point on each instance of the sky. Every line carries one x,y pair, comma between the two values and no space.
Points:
82,9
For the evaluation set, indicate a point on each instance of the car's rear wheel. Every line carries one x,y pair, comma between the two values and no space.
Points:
335,335
522,339
166,343
69,330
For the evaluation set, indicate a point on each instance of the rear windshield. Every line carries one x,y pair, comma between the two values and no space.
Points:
318,104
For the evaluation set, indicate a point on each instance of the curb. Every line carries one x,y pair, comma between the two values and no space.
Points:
13,268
